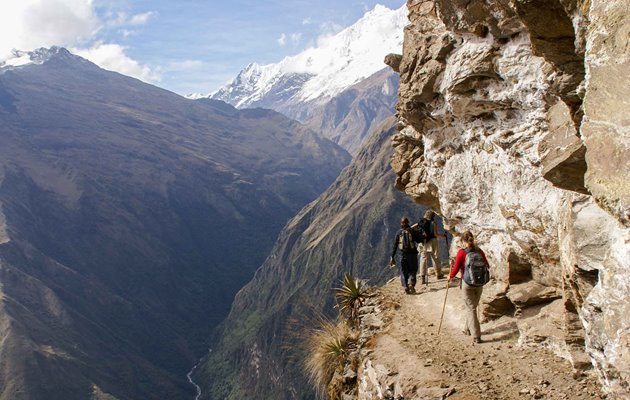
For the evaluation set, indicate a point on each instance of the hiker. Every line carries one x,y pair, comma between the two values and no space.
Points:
472,263
429,247
405,241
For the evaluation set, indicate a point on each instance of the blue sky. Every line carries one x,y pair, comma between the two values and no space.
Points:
184,45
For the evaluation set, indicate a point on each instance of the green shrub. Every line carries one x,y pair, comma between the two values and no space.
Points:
350,297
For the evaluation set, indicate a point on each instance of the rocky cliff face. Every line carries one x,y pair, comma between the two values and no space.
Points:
514,125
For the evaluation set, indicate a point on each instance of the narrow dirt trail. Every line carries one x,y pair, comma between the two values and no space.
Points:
428,366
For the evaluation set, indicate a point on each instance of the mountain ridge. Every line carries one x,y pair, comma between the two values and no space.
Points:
124,209
319,73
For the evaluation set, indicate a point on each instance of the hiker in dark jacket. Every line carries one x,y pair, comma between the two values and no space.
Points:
472,294
406,240
430,246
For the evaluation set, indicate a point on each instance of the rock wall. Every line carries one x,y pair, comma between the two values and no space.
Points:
514,124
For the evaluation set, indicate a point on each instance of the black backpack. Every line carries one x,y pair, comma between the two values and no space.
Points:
476,272
406,242
425,227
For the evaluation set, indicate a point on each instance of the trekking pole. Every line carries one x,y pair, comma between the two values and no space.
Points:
443,307
448,250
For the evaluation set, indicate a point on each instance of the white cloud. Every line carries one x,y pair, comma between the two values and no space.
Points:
282,40
127,33
293,37
112,57
186,65
306,21
121,18
141,19
116,19
30,24
296,37
328,30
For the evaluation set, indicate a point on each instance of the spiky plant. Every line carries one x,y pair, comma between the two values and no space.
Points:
350,297
328,348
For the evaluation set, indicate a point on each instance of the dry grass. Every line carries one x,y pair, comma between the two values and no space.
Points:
328,349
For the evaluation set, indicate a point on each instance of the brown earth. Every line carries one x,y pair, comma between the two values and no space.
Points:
411,361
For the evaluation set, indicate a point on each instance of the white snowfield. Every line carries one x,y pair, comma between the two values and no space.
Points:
338,61
19,58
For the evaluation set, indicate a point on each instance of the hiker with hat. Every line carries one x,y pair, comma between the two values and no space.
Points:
406,241
475,272
429,247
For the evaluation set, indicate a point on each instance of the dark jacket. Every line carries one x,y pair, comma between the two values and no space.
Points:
416,238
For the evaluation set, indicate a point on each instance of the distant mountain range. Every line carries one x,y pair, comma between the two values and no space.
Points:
129,218
297,85
348,118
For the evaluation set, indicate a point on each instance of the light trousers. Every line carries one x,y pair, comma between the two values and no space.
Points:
472,295
430,249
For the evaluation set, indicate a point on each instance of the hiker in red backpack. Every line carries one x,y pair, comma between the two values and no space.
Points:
472,263
406,241
429,247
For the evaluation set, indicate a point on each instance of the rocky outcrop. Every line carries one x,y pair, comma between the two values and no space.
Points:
514,125
606,128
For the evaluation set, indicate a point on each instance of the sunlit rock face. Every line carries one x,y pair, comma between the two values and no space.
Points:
514,125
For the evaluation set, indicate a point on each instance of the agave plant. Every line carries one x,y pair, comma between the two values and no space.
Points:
350,297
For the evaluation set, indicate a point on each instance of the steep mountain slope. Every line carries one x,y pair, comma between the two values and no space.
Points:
349,228
297,84
348,118
129,217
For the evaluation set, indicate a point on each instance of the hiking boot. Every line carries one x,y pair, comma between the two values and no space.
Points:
407,290
466,332
440,276
411,289
477,340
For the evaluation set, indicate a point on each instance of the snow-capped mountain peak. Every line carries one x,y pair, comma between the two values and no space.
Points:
322,71
20,58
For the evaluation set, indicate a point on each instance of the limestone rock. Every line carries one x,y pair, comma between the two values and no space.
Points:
532,293
393,60
606,127
562,151
514,125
